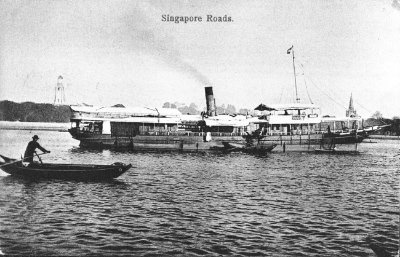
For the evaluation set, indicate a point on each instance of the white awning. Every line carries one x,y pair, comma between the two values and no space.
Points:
227,120
129,111
332,119
292,106
149,120
257,120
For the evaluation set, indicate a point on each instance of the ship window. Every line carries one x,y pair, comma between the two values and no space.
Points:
90,127
74,124
127,129
226,129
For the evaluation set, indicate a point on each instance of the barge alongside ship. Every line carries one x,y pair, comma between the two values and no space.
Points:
301,127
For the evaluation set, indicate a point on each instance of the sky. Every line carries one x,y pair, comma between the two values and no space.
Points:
111,52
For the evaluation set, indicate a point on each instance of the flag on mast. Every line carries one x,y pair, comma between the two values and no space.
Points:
289,50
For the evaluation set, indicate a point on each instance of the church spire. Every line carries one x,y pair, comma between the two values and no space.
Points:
351,112
351,102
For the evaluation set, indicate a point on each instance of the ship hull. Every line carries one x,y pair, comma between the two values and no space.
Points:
308,143
157,143
197,142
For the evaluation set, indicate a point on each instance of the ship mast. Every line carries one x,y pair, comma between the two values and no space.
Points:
294,73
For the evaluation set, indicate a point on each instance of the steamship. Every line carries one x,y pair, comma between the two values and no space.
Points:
290,127
157,128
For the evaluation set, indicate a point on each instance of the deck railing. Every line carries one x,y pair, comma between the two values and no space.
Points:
191,134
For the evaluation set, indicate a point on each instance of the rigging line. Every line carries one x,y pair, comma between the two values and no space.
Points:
327,91
305,83
336,96
308,93
363,107
341,105
280,98
286,90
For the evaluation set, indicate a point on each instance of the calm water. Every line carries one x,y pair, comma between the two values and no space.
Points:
285,204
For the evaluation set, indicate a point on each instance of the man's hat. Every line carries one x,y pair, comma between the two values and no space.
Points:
35,137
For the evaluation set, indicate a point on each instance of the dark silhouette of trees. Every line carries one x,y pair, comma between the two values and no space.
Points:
377,115
33,112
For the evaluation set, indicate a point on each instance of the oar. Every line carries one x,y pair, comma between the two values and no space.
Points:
39,158
21,160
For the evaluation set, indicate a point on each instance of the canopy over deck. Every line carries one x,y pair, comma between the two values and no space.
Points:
333,119
127,112
227,120
282,107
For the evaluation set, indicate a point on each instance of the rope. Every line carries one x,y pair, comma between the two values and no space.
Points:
305,83
326,94
330,93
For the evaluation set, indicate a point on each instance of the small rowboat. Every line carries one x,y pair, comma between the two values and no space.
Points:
334,151
257,149
63,171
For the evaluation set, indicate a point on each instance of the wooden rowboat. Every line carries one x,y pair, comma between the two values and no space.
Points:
334,151
256,149
63,171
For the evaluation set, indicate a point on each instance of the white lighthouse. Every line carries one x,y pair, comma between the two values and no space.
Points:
59,94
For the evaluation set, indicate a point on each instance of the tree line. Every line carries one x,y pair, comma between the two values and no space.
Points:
34,112
393,128
194,109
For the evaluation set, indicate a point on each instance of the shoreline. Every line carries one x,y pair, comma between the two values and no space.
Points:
384,137
46,126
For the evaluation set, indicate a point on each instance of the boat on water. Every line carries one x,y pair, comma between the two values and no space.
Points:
62,171
156,129
335,151
289,127
301,126
282,127
252,149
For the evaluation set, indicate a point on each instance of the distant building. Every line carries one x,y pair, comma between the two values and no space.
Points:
59,94
351,112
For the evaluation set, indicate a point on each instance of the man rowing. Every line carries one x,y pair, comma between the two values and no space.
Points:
30,149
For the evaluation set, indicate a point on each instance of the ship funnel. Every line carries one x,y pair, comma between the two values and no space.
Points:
210,101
